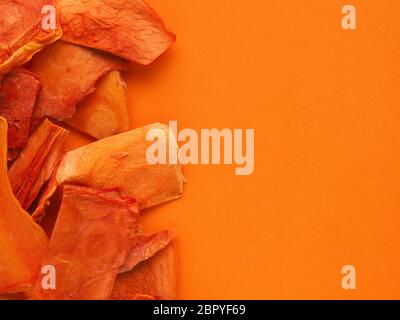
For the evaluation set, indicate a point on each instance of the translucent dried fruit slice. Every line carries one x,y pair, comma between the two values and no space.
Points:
18,93
154,278
120,161
90,242
22,242
44,198
128,28
103,113
22,33
37,163
146,246
68,73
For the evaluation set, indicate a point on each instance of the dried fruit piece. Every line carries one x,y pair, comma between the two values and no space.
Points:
90,242
120,162
94,234
21,32
145,247
37,163
88,246
104,113
152,279
68,73
12,296
44,198
23,243
128,28
18,93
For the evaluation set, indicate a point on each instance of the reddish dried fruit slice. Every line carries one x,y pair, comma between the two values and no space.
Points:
18,93
120,162
44,198
95,233
145,247
23,243
129,28
21,32
37,163
154,278
103,113
12,296
89,245
68,73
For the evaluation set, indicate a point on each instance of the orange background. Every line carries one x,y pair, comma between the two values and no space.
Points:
324,104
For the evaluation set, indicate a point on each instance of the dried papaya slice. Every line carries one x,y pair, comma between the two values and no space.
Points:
120,161
129,28
18,93
23,243
146,246
154,278
22,33
44,198
88,246
37,163
103,113
68,73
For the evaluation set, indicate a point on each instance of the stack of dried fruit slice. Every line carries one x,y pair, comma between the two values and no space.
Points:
71,74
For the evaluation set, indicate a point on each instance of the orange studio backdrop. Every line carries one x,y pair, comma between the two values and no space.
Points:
324,103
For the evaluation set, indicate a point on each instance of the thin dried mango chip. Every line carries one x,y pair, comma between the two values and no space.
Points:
22,242
153,279
68,73
22,33
120,161
129,28
18,93
37,163
103,113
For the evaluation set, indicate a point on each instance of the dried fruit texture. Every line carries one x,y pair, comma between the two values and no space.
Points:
152,279
44,199
21,32
127,28
95,231
146,246
18,93
104,113
120,162
22,242
68,73
89,243
12,296
36,164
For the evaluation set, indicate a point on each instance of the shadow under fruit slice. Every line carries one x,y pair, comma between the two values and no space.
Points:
103,113
120,162
153,279
68,73
22,242
21,32
18,92
127,28
36,165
